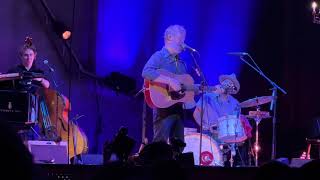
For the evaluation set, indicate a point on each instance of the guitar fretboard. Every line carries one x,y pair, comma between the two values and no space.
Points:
198,88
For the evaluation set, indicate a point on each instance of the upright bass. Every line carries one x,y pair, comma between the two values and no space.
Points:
63,129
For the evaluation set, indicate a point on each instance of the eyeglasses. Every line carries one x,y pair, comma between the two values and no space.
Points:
229,87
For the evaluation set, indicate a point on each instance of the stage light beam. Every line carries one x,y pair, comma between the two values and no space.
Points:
314,5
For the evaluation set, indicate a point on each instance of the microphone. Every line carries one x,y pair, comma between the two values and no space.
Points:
46,62
238,53
185,46
273,98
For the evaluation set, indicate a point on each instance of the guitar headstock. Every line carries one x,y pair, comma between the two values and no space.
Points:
28,41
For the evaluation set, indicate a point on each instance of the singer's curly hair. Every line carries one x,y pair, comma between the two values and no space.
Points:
27,45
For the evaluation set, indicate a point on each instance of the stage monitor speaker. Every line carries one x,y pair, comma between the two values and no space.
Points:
186,160
297,162
92,159
49,152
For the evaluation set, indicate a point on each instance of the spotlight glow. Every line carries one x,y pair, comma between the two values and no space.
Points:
314,5
257,148
66,35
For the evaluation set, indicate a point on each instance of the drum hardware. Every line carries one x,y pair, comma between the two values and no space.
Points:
232,154
231,160
257,116
254,102
230,150
240,156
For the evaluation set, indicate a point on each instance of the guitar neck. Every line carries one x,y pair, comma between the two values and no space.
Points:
198,88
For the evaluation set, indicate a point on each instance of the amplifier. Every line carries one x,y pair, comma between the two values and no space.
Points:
18,108
297,162
49,152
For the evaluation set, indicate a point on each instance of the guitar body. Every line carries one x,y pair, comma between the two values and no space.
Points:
161,96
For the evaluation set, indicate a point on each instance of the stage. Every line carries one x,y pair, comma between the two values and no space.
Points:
171,170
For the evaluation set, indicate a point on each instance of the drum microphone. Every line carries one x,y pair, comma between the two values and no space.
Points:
46,62
237,53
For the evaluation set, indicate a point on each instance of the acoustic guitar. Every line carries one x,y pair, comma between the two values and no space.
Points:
160,95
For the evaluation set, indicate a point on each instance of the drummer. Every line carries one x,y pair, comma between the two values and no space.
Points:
218,104
221,103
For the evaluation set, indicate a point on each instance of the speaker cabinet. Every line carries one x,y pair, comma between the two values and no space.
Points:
49,152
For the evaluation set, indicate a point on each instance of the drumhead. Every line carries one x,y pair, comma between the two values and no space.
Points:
211,154
230,129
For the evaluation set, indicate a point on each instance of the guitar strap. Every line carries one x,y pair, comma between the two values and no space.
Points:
179,68
176,59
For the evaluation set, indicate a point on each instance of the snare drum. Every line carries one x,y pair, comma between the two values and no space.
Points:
210,155
230,129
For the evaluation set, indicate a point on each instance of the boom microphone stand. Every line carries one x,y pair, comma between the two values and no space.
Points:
202,86
275,87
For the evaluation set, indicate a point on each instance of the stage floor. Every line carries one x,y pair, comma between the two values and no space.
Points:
172,170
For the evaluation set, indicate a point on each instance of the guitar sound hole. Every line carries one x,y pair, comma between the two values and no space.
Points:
176,95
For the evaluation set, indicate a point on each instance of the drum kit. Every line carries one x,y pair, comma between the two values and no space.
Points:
231,131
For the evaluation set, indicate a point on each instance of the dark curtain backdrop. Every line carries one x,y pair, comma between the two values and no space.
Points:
285,45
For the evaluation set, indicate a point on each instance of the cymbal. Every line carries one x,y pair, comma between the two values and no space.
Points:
258,115
256,101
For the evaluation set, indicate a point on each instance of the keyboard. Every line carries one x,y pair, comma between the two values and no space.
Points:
10,76
23,75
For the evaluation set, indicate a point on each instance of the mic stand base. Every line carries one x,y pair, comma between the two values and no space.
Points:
256,144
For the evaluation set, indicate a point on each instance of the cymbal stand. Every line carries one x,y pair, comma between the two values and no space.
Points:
232,154
231,160
257,119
